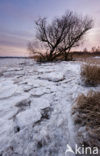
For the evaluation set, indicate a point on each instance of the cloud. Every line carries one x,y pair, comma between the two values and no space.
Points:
14,43
13,51
15,10
17,38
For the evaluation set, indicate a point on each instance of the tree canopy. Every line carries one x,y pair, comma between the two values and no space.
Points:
61,35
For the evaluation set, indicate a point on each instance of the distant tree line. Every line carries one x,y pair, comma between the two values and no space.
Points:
93,49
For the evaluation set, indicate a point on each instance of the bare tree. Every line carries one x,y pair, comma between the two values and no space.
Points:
62,34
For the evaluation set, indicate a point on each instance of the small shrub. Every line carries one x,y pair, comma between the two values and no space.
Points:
91,74
86,113
39,58
45,58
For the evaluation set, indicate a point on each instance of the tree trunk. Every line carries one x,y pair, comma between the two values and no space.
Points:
66,56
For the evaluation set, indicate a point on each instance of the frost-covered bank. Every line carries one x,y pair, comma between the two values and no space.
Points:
35,107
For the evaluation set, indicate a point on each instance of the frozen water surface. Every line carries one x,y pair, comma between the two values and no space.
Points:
35,107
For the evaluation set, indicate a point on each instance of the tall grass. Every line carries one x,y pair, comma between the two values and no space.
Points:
86,113
90,74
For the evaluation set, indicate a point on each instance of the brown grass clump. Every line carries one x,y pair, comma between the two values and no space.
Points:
46,58
40,58
86,114
91,74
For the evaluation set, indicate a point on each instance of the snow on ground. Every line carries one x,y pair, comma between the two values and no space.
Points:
98,57
35,107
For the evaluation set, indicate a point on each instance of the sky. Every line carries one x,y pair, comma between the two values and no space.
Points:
17,21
